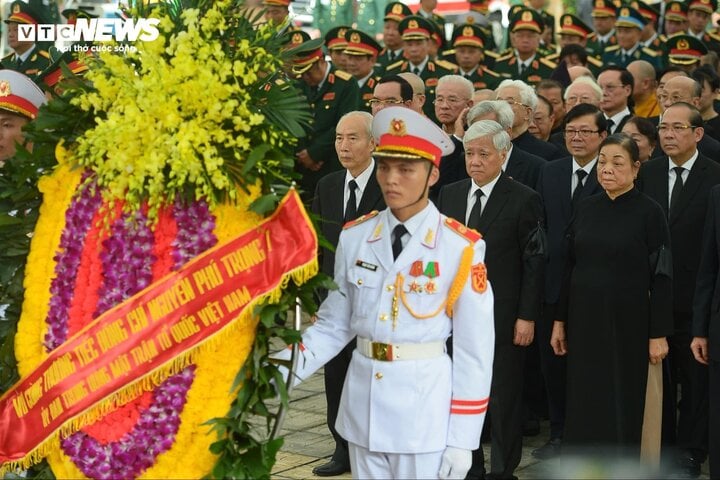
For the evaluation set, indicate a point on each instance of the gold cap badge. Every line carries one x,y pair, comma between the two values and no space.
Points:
683,44
468,32
5,88
355,37
397,128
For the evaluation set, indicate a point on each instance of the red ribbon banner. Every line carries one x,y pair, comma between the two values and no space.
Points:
163,322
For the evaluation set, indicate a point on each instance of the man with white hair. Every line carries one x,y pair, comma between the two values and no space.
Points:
581,90
509,216
523,100
521,166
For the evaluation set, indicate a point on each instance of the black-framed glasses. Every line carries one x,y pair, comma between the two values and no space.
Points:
675,127
584,133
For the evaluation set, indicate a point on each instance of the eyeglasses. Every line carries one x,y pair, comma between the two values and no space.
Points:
675,127
389,101
449,100
584,133
517,104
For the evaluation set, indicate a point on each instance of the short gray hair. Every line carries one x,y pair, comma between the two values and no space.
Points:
460,80
527,93
584,81
503,112
366,116
483,128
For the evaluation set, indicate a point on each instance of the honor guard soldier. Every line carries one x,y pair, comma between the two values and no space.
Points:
21,102
699,15
684,51
408,277
603,15
468,43
628,29
361,54
335,43
676,18
393,51
28,57
524,62
573,31
415,31
331,94
650,38
329,13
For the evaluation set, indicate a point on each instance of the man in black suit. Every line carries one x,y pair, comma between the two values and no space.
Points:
523,100
520,165
680,182
705,344
563,183
340,197
616,84
509,216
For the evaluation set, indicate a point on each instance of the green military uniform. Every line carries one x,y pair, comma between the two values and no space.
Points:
631,19
508,65
31,62
328,14
708,7
336,95
360,44
596,45
369,13
471,35
684,50
394,12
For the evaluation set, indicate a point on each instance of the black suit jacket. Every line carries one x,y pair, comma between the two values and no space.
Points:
511,225
707,145
706,305
531,144
554,187
686,219
328,204
524,167
452,168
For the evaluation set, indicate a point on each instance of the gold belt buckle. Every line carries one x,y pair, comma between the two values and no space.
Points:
382,351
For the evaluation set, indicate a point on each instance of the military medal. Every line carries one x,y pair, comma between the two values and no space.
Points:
431,271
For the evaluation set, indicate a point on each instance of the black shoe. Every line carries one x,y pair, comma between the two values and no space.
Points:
689,465
531,427
550,450
331,469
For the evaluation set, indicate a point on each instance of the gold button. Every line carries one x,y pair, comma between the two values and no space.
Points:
390,288
378,375
359,282
384,317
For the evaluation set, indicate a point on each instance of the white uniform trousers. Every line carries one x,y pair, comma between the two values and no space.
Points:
365,464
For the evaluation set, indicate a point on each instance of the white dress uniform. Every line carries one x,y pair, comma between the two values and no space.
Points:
420,401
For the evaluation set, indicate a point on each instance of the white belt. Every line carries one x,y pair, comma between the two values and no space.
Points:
388,352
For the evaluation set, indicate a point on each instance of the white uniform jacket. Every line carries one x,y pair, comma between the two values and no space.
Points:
407,406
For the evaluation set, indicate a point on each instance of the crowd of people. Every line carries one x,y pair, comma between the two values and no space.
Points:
588,168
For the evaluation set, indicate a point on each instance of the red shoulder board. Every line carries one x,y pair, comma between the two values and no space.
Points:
431,66
465,232
371,82
331,78
360,220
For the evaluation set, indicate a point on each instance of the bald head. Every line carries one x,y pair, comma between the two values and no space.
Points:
579,71
644,79
681,89
483,94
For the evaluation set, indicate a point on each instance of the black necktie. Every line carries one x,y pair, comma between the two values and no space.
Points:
677,186
415,70
581,174
351,205
476,211
523,67
610,124
397,234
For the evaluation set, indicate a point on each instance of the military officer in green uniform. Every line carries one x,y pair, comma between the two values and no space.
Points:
479,15
416,32
335,43
361,52
650,37
331,93
72,14
604,15
468,44
524,62
330,13
573,31
699,15
628,28
684,51
676,18
393,51
28,57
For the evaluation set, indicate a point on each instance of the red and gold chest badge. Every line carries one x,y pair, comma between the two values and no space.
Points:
479,277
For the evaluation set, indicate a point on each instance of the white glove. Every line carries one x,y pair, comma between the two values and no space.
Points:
456,463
